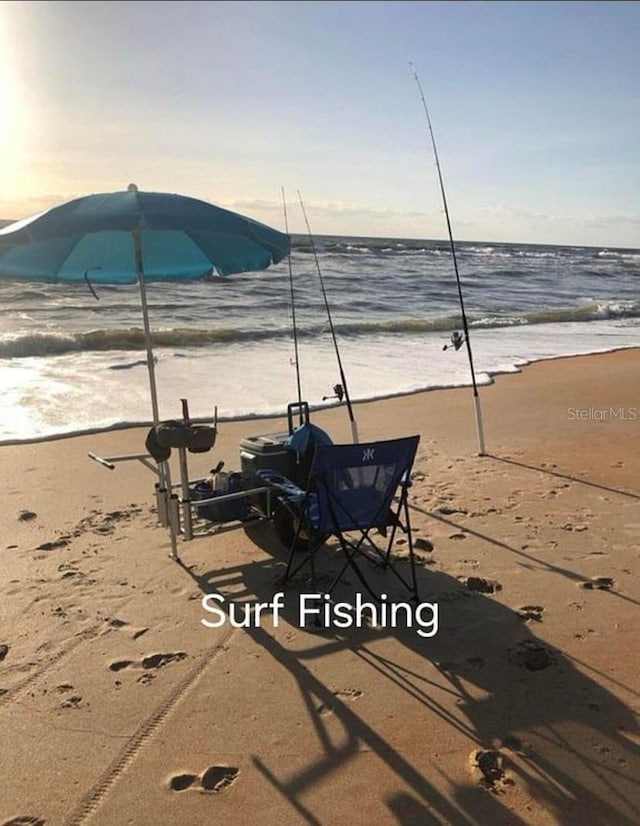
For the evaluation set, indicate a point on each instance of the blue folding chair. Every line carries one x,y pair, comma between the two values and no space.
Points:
353,491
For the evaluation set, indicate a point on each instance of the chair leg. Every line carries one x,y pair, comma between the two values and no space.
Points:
412,558
391,541
308,557
403,506
350,552
396,523
292,551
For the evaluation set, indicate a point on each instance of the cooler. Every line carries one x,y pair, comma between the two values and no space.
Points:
267,451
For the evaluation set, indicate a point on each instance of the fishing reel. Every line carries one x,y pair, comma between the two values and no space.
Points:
338,393
457,340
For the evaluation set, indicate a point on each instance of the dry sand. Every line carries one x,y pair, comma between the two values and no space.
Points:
119,707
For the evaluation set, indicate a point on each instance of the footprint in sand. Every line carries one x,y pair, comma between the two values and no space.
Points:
182,782
158,660
24,820
100,523
213,780
146,678
598,583
150,661
217,778
531,613
576,526
480,584
54,544
114,622
72,702
422,544
489,768
447,510
532,655
345,694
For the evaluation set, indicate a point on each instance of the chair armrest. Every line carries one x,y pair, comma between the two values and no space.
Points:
285,485
292,496
406,481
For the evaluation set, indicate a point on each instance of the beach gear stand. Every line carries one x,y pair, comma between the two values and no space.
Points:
353,490
175,502
161,439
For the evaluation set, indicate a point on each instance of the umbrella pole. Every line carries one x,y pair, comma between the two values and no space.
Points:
137,249
164,474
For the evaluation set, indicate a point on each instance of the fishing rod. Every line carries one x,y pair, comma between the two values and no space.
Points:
293,313
340,390
456,338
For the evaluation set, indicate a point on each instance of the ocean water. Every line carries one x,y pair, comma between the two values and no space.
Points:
70,362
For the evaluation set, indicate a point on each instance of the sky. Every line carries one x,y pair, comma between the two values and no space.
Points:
281,110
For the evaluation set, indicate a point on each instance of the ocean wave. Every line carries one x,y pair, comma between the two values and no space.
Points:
52,344
358,246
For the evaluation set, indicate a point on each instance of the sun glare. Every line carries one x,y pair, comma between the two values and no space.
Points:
13,115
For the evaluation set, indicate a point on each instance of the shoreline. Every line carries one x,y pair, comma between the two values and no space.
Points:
519,367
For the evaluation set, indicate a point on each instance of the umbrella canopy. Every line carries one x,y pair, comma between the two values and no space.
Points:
129,236
180,238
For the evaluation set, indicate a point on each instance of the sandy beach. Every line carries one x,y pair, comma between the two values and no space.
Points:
117,706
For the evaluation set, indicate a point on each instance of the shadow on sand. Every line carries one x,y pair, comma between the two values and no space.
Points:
565,476
537,736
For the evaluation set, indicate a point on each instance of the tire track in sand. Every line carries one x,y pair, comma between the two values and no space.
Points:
125,757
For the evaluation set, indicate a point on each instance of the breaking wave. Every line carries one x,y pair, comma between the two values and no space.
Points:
51,344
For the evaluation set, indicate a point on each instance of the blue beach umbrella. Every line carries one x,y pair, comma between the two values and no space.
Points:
132,236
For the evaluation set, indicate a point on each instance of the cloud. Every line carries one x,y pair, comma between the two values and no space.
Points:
329,209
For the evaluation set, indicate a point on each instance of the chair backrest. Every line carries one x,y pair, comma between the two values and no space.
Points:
355,483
